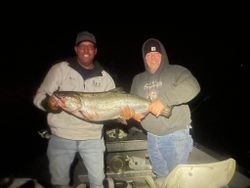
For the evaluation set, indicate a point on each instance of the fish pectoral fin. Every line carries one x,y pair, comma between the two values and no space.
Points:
139,116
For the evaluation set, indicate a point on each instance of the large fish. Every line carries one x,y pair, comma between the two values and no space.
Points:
102,106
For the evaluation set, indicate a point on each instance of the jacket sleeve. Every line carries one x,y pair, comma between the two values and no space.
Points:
184,88
50,84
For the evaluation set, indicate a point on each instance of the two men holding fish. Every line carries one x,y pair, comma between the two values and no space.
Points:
85,93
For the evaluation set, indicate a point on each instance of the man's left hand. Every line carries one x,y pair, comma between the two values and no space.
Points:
156,107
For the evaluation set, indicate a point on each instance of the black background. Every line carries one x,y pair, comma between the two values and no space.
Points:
212,43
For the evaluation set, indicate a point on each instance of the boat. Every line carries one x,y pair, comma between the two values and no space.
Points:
128,165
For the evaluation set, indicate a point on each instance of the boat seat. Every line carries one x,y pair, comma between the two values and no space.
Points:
205,175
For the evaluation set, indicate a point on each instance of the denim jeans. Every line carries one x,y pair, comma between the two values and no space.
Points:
61,153
167,151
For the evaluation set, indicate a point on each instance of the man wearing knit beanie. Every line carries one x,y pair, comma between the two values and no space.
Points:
170,88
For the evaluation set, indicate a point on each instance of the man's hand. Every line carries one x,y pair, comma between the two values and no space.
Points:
53,105
127,113
156,107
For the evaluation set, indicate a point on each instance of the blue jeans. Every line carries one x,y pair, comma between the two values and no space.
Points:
61,153
167,151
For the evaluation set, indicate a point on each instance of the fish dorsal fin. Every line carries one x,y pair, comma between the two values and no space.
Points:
118,89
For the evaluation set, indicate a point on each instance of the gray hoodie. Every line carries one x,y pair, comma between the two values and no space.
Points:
174,85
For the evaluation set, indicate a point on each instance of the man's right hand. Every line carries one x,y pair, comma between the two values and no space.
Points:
128,113
53,105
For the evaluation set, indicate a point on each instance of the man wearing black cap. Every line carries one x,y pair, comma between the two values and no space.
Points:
68,133
168,87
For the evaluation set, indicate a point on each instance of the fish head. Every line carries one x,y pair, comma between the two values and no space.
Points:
68,100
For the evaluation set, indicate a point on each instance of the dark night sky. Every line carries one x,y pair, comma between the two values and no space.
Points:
213,47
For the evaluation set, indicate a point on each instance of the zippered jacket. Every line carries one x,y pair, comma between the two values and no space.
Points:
68,76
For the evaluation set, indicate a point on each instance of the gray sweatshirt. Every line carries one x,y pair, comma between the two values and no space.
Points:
175,86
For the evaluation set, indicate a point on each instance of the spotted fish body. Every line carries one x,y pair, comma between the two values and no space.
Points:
101,106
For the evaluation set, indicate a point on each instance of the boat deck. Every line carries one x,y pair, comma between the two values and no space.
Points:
136,178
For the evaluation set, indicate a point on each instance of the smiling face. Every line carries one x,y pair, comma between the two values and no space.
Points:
153,60
86,52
